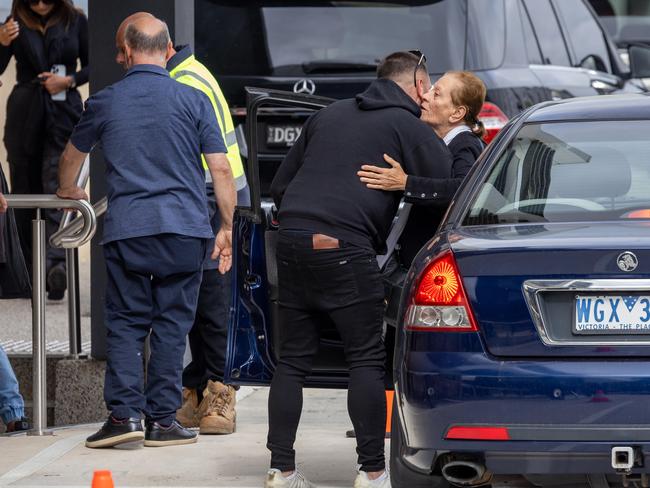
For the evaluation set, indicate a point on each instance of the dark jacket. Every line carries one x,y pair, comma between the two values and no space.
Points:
431,197
317,188
33,118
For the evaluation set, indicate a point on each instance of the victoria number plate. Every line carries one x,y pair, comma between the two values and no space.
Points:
612,314
282,135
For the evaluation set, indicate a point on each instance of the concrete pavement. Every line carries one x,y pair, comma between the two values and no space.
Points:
240,460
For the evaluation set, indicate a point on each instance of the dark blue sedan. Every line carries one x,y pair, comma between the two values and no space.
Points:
524,346
522,351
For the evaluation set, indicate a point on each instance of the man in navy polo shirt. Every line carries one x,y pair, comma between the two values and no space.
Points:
153,131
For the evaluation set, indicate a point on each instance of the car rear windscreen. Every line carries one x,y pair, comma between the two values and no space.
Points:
568,172
283,38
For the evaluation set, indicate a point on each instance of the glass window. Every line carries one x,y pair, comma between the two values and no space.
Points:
282,38
548,32
532,47
569,172
626,20
583,31
486,34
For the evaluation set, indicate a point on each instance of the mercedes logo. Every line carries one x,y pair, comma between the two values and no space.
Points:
304,86
627,261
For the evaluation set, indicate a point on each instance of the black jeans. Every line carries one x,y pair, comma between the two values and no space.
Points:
209,333
341,286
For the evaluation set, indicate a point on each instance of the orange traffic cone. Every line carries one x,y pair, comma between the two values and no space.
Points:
102,479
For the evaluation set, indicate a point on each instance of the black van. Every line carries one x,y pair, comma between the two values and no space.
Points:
526,51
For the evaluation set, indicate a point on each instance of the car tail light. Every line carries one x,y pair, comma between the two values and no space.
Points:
493,119
477,433
440,302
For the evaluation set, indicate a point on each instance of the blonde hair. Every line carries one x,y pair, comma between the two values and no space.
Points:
469,93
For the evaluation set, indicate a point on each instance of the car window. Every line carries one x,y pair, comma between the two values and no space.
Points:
280,38
532,47
548,32
582,29
626,20
486,34
569,172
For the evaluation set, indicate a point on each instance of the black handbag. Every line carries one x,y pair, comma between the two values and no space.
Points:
14,277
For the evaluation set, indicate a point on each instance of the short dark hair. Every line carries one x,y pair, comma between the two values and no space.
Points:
141,42
399,64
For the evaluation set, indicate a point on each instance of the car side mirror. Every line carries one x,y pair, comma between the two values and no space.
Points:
639,60
593,62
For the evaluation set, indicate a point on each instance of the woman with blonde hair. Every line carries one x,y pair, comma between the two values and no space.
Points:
47,38
451,108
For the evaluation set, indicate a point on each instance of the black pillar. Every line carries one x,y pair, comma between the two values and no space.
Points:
104,18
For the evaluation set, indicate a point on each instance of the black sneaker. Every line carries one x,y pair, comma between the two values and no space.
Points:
115,432
56,282
158,435
18,425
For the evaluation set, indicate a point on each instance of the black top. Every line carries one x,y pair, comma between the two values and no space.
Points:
33,118
317,189
431,197
36,53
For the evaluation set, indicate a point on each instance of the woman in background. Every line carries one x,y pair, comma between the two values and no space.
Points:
47,39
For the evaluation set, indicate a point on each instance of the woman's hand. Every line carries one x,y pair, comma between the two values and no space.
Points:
55,83
376,178
9,31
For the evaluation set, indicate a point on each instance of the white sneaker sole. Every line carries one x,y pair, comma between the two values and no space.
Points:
175,442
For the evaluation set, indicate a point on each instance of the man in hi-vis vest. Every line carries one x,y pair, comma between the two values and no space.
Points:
207,402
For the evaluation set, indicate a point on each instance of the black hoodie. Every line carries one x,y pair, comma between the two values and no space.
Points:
317,189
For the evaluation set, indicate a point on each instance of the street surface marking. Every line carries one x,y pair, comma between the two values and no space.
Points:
42,459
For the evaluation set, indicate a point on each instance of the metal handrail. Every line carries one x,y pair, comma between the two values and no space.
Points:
68,241
77,224
65,237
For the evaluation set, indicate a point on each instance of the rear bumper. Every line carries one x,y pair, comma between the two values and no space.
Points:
561,416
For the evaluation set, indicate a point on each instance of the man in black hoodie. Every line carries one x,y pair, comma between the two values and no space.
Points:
331,229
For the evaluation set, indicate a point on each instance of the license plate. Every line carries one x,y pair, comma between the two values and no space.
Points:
282,135
612,314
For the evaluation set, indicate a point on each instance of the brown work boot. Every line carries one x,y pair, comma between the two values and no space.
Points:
188,414
218,409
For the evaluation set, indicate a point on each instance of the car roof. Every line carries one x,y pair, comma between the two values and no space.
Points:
608,107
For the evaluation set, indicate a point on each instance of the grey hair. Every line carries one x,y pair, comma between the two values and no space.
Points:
141,42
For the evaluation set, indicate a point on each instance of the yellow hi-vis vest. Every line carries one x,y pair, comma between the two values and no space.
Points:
193,73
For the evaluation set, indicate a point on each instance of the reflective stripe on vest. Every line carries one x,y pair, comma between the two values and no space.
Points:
230,138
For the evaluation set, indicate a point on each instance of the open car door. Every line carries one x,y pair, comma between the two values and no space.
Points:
253,326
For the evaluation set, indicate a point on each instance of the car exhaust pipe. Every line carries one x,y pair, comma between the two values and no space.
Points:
463,472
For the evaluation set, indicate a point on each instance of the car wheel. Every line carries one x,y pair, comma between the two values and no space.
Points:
400,474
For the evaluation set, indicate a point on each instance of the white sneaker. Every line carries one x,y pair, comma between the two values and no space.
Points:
274,479
362,481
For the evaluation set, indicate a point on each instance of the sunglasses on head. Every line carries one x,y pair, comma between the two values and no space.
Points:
36,2
421,60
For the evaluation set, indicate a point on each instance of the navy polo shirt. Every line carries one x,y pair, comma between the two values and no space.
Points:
153,131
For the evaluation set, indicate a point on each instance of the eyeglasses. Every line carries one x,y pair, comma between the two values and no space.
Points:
421,61
36,2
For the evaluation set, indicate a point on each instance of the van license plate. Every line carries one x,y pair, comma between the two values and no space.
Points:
282,135
612,314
